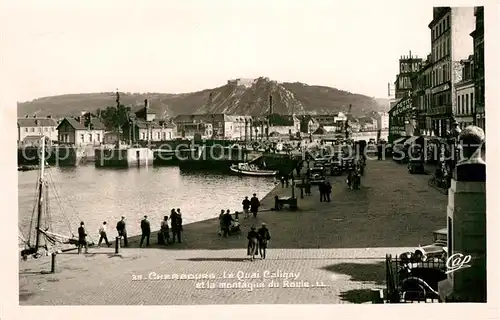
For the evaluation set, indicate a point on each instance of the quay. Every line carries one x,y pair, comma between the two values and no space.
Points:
340,245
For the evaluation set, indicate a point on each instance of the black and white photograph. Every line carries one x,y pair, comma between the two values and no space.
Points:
242,153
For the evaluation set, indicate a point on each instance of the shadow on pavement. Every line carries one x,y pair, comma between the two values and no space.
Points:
361,272
358,295
216,259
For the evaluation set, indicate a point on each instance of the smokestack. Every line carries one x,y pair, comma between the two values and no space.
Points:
270,104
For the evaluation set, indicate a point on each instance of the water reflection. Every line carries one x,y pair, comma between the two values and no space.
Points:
95,195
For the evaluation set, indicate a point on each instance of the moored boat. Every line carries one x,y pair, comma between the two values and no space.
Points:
252,170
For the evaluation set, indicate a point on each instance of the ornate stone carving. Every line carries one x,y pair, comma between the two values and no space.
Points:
471,166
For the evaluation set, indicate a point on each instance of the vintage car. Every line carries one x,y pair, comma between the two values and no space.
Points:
316,175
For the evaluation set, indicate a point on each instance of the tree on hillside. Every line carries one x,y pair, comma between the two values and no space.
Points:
114,117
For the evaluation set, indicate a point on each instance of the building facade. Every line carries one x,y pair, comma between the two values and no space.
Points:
450,42
465,110
214,126
81,131
478,41
32,127
283,124
402,115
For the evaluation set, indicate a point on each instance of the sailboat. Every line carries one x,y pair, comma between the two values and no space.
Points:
45,240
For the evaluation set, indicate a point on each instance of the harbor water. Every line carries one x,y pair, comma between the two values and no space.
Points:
93,195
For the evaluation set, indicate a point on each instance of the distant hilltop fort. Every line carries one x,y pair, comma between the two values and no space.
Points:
247,82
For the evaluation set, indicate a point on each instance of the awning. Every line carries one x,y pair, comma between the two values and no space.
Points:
411,140
400,140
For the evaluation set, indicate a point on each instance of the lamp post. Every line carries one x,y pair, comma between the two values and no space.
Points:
454,134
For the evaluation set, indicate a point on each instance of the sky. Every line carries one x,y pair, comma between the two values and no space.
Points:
62,47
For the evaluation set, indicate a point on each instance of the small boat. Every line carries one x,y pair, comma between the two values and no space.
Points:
252,170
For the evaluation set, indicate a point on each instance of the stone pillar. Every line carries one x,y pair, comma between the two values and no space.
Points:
466,221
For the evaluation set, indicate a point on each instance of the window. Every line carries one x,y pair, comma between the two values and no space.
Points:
164,136
458,105
53,129
472,102
98,137
25,129
466,104
90,137
40,129
159,135
82,137
143,136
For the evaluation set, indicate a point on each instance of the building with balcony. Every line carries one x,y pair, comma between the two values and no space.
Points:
421,96
450,42
478,41
464,111
402,115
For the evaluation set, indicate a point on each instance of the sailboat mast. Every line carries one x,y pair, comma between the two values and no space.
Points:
40,194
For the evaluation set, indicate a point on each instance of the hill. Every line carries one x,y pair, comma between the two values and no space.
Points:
241,96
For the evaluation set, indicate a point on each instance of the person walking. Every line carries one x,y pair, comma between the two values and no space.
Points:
254,205
146,231
103,235
246,207
307,188
226,222
264,237
165,232
122,231
82,238
328,191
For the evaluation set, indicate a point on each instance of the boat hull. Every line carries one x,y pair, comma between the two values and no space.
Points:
261,173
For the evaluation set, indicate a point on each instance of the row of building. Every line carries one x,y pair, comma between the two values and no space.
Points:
143,125
446,86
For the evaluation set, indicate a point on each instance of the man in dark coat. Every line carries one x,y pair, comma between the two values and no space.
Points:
264,237
226,223
328,191
246,207
146,231
82,241
322,191
254,205
122,231
178,226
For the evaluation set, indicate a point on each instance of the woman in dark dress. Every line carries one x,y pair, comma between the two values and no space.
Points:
253,243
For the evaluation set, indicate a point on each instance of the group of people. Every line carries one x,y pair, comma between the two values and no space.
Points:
163,237
176,226
251,206
258,241
227,224
325,191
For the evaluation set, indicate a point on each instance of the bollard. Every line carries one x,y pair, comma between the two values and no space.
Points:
117,245
53,263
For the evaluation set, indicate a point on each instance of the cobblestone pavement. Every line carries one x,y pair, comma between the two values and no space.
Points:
340,244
